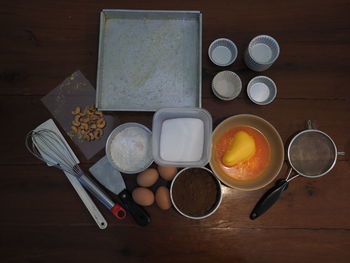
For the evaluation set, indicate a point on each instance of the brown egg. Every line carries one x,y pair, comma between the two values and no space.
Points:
167,172
143,196
163,198
148,177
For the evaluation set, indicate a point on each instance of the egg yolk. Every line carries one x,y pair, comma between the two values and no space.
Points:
242,153
242,147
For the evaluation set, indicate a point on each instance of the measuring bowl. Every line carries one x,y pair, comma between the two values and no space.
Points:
276,151
193,196
130,149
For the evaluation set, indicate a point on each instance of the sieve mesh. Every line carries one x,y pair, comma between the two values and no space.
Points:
312,153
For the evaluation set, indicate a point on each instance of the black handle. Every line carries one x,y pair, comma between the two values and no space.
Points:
268,199
138,213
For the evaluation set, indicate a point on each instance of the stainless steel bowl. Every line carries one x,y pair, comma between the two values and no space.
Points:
146,162
214,208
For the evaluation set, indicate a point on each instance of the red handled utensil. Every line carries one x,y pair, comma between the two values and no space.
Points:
112,179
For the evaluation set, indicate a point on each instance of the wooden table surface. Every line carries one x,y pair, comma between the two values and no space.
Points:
43,220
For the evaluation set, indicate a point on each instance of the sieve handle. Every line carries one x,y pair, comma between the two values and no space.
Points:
268,199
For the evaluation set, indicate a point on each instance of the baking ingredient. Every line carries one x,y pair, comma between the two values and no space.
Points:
259,92
148,177
195,192
167,172
182,140
88,124
241,148
163,198
131,149
249,169
143,196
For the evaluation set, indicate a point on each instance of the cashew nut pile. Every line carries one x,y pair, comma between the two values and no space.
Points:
88,124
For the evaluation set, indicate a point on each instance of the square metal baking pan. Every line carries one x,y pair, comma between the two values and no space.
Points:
149,59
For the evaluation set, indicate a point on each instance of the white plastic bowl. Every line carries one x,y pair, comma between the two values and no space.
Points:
172,113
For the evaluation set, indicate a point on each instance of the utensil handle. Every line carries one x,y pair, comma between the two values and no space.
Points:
268,199
90,205
138,213
116,209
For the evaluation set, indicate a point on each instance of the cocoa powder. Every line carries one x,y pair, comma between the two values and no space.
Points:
195,192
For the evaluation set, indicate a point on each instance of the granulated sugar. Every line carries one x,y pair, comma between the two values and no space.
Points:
182,140
131,149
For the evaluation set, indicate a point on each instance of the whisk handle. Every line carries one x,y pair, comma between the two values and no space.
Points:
116,209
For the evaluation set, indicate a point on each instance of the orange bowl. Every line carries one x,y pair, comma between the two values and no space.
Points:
276,151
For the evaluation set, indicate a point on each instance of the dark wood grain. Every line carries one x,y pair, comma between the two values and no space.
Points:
42,218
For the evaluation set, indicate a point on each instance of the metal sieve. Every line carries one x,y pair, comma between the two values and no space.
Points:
311,153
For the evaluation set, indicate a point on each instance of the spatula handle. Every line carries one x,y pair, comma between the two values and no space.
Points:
116,209
138,213
90,205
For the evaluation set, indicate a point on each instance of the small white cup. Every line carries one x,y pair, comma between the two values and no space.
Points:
261,53
222,52
226,85
261,90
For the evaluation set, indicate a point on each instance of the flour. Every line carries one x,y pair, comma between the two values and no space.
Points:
131,149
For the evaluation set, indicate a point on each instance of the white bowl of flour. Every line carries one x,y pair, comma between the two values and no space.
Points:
129,148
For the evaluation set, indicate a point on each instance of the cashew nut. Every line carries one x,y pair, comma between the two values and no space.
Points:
98,133
76,111
74,123
101,123
93,117
84,126
86,137
88,123
85,119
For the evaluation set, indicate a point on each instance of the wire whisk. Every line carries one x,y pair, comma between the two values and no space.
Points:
51,148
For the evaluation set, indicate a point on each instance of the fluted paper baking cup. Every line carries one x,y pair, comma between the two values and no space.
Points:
222,52
226,85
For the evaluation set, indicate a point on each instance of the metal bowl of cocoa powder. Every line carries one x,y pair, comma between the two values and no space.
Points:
196,192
